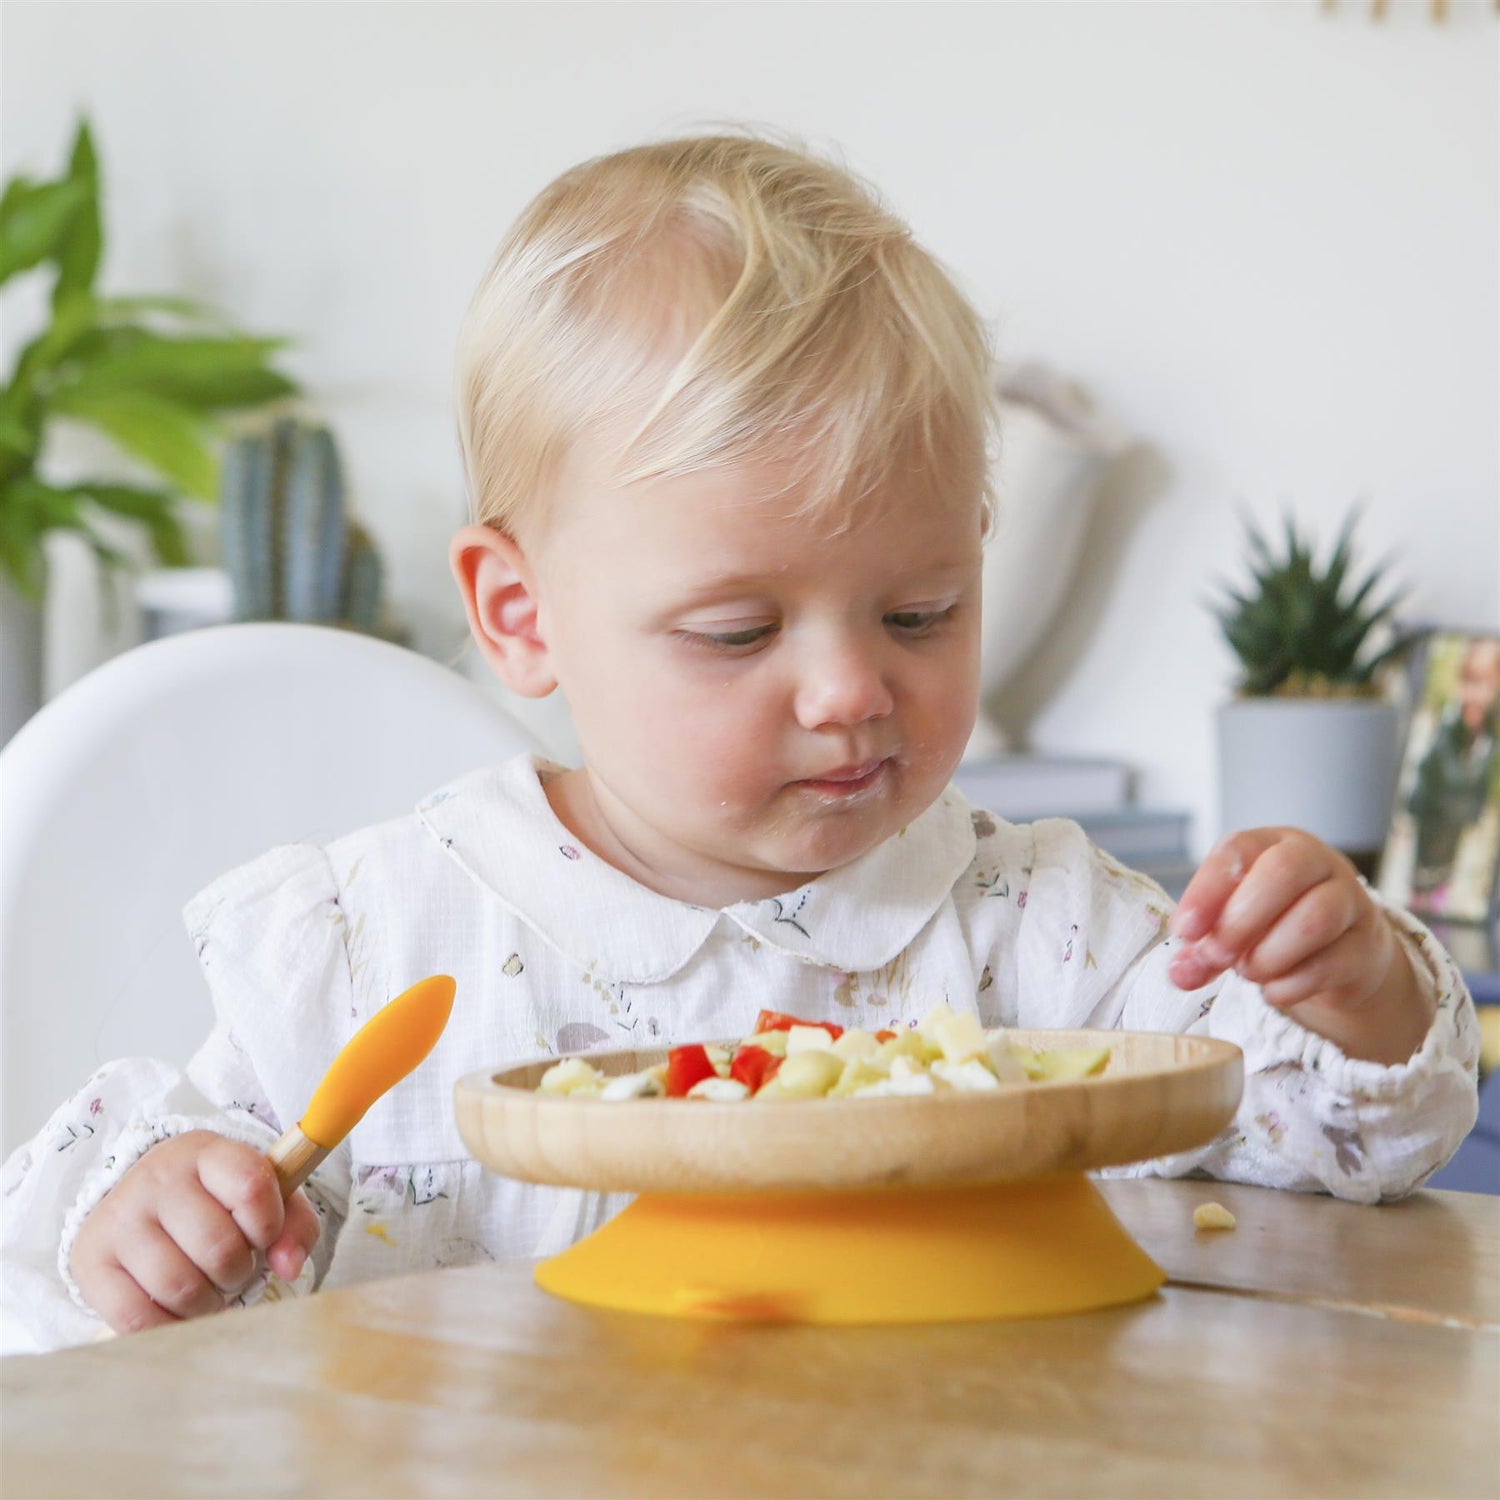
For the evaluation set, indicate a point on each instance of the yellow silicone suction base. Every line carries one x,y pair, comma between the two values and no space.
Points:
895,1255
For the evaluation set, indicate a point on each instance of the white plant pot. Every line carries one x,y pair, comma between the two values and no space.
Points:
20,658
1326,765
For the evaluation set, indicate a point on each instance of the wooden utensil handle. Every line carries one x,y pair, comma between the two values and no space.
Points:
295,1158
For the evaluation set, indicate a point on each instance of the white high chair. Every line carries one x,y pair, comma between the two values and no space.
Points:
160,770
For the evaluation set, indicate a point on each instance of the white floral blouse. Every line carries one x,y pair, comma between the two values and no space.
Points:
555,951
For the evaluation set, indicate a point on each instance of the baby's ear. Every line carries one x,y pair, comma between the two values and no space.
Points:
499,592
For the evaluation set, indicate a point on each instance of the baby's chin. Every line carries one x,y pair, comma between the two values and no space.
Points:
804,853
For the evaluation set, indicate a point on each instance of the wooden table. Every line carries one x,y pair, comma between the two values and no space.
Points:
1319,1349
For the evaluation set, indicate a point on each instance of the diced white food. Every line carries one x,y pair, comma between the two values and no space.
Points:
1002,1058
807,1039
856,1046
906,1080
720,1057
909,1077
632,1086
934,1018
773,1042
719,1090
960,1036
569,1076
972,1075
807,1075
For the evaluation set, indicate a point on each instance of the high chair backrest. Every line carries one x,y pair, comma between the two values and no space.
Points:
160,770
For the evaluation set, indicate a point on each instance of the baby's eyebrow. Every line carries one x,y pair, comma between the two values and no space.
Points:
724,583
941,571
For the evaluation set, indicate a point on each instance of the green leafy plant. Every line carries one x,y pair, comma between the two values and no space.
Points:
153,374
1302,630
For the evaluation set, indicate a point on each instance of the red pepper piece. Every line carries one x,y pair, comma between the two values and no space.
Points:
685,1067
775,1020
885,1035
752,1066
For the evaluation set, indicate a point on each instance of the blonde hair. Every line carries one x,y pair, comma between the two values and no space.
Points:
710,301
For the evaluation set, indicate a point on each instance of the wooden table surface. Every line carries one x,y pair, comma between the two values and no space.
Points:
1318,1349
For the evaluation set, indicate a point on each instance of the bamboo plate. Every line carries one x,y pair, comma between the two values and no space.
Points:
1162,1092
937,1208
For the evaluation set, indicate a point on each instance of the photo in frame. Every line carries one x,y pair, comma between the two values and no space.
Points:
1442,852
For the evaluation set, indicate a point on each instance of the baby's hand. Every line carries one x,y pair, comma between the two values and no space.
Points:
1290,914
177,1235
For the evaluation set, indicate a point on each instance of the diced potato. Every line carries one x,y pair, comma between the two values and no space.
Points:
773,1042
914,1044
934,1018
1001,1056
971,1075
807,1039
719,1090
907,1078
570,1075
1212,1216
644,1085
806,1075
960,1036
1070,1063
1031,1062
857,1074
856,1044
720,1057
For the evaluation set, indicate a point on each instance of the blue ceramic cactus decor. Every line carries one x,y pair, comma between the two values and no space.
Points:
289,544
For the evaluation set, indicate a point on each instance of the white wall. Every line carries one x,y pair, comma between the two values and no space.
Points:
1264,238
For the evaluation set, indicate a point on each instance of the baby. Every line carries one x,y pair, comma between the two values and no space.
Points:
727,429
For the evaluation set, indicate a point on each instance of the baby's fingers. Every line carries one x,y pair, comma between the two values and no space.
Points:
1216,880
298,1236
1335,975
1314,924
163,1272
242,1179
117,1297
203,1229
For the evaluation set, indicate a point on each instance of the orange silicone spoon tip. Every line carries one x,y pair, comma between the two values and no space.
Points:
377,1057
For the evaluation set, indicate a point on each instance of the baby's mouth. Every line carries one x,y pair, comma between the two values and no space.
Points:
848,780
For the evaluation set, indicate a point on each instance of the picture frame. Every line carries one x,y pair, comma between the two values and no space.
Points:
1441,858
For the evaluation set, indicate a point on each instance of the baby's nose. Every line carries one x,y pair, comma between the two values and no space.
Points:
843,685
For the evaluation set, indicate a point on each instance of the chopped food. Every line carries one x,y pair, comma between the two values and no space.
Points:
753,1066
687,1066
775,1020
787,1058
1212,1216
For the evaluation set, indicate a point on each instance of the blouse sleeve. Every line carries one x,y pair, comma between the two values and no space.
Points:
274,958
1311,1118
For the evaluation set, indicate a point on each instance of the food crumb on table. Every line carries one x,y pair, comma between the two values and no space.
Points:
1212,1216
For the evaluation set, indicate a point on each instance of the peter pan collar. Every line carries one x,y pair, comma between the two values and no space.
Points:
499,827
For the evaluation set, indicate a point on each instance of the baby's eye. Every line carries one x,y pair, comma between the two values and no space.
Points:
918,621
728,640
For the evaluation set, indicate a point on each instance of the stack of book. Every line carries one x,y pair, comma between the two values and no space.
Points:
1098,794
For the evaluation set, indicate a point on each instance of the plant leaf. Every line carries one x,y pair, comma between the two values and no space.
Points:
170,438
212,373
154,509
113,310
34,221
83,241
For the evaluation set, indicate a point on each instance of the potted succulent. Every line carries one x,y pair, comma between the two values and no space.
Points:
151,374
1310,739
